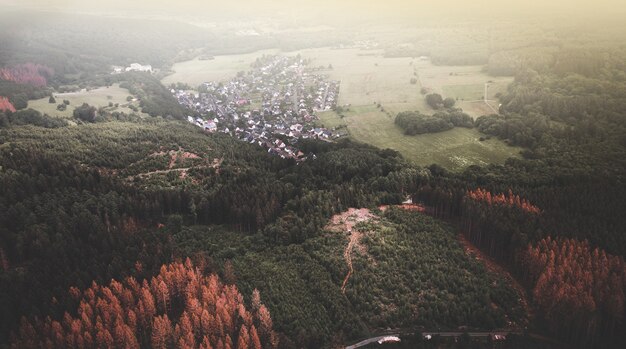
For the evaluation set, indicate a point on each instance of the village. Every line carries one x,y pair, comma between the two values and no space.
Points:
272,105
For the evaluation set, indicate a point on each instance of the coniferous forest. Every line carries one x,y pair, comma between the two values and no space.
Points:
139,229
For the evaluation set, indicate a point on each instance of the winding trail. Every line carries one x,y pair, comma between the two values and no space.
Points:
344,223
355,236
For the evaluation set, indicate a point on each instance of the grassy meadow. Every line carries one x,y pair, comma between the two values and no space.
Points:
454,149
99,97
220,68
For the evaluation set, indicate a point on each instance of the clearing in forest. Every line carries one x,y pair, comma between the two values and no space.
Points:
345,222
99,97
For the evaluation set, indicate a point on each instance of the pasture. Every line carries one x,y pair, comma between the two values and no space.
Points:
368,79
220,68
454,149
99,97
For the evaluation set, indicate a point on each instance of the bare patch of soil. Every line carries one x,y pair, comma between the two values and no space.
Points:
344,223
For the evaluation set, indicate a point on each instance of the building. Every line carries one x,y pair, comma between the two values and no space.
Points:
139,67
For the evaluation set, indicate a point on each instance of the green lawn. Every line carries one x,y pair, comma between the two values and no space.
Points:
330,119
99,97
454,149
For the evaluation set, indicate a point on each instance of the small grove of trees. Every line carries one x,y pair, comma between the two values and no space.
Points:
526,131
449,102
85,113
434,100
416,123
180,307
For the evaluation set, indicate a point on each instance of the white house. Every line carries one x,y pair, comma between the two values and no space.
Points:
139,67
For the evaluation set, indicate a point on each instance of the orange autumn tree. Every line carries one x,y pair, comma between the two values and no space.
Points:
580,289
6,105
29,73
508,199
499,224
178,308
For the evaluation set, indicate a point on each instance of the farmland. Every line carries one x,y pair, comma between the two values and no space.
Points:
454,149
220,68
369,79
99,97
366,77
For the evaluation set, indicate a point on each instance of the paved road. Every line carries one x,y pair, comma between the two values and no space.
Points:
369,340
441,334
471,334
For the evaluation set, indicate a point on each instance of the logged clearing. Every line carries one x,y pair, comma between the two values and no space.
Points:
344,222
99,97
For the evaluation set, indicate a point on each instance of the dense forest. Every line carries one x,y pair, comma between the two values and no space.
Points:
149,232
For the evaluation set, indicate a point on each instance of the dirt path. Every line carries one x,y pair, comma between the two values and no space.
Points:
344,223
347,254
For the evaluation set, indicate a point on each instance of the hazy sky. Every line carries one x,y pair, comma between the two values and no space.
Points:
348,8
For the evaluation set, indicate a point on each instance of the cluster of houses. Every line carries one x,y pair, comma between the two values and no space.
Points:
272,105
132,67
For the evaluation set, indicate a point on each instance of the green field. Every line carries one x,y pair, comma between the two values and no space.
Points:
367,79
99,97
221,68
464,82
454,149
464,92
367,76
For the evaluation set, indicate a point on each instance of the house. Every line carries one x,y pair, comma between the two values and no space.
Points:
210,126
139,67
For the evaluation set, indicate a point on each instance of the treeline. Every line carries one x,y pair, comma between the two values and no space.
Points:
180,307
525,131
30,117
19,94
416,123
